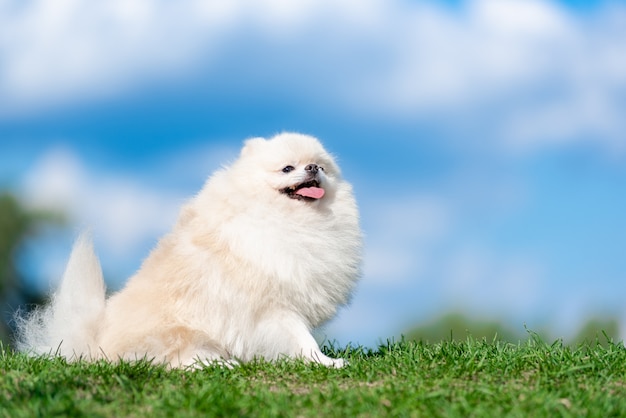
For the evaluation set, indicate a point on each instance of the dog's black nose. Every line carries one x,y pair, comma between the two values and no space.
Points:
312,168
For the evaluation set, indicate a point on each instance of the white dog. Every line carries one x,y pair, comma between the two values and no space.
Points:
267,251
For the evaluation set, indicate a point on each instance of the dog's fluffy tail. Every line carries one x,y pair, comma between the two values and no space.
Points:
68,325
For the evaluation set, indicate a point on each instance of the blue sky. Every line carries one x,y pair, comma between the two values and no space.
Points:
486,139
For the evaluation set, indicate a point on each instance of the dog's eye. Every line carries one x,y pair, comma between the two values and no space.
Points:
288,169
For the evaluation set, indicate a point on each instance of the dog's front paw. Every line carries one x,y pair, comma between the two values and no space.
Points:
320,358
338,363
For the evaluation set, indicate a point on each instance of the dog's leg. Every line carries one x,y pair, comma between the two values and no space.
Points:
285,334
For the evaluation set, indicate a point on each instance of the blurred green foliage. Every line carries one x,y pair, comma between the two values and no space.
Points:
17,224
457,326
598,330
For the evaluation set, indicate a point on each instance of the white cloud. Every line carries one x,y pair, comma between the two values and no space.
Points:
122,213
56,181
528,71
489,48
545,73
71,49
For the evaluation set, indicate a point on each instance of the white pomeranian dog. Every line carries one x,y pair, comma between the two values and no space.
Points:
268,250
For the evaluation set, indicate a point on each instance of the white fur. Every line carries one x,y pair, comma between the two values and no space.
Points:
246,272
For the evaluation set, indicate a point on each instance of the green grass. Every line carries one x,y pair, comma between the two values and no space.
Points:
451,379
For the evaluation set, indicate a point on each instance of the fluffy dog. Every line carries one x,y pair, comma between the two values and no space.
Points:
268,250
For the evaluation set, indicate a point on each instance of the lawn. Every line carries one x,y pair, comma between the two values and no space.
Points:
405,378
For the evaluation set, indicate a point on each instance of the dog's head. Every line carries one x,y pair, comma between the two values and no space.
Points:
293,166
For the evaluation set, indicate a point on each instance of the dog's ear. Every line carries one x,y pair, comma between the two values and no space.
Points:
252,144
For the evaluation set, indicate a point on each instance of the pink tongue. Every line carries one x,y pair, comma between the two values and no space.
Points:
312,192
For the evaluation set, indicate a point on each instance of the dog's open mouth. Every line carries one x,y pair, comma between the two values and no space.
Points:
308,191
